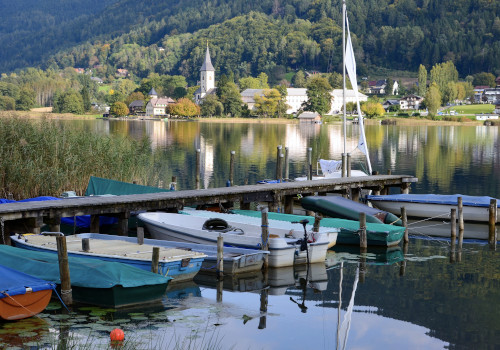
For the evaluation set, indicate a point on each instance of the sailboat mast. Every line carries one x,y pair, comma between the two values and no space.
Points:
343,76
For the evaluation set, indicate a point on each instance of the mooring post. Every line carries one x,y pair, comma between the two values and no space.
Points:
34,224
492,220
86,244
140,235
453,224
317,220
123,223
231,168
155,260
405,188
287,166
460,206
173,184
363,243
289,204
344,161
278,163
62,256
348,165
355,194
264,296
404,218
220,256
309,163
220,287
94,223
55,223
198,167
265,236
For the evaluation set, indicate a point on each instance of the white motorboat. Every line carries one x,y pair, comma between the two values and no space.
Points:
285,245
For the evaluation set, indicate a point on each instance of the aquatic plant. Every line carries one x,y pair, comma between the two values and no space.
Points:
47,158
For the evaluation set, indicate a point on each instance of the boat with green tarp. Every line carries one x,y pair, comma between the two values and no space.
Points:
377,234
95,282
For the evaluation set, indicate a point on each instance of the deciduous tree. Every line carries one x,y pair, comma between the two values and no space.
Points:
319,98
433,98
184,107
119,109
373,109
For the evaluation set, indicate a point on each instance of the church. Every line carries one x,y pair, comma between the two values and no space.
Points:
207,80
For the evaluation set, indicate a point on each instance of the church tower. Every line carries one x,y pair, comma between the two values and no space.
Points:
207,75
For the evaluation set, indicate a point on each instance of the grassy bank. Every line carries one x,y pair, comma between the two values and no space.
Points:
47,158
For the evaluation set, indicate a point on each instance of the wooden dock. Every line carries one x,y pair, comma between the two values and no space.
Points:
29,217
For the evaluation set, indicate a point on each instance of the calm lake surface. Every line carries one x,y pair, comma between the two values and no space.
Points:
424,298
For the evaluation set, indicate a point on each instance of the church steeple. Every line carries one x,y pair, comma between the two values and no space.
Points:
207,64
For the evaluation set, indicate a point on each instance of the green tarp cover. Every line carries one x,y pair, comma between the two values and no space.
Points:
99,186
343,224
89,273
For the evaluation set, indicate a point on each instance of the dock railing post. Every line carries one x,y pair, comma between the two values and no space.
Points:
287,165
198,167
62,255
363,243
220,256
155,259
492,232
404,218
265,236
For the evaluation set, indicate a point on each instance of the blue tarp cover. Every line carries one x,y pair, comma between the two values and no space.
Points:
14,282
449,199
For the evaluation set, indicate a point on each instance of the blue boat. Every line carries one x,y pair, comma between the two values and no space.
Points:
93,281
22,295
178,263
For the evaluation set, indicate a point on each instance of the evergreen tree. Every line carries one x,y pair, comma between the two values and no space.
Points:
211,106
86,99
299,80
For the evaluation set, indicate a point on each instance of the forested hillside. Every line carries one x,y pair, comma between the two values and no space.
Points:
246,38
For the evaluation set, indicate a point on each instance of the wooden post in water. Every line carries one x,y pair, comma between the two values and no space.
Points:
220,256
309,163
280,163
220,287
265,236
198,167
405,188
123,223
404,218
140,235
363,242
279,173
62,256
355,194
94,223
155,259
344,165
55,223
317,220
264,296
86,244
287,165
460,206
231,168
348,165
492,232
453,224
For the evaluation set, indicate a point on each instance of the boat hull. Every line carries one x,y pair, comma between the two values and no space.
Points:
24,305
280,254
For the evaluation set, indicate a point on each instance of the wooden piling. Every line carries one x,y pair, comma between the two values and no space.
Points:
140,235
123,223
453,224
94,223
344,165
220,287
309,163
363,242
220,256
155,260
278,163
348,165
198,167
287,165
404,218
492,233
265,236
62,256
55,223
86,244
317,220
231,168
289,204
460,206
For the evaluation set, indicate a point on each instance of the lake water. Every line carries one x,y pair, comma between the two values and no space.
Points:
424,298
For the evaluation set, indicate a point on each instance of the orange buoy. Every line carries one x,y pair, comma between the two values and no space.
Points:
117,335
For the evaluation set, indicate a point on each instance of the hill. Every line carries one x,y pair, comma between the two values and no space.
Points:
246,38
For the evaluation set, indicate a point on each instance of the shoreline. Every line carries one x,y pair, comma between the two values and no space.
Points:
41,114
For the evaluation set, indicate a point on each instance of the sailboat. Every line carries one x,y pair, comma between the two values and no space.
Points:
333,168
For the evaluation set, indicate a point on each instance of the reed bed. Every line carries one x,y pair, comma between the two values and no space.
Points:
40,158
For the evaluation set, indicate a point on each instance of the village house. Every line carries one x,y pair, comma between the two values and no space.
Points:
379,87
136,107
157,106
121,73
310,117
390,103
338,99
410,102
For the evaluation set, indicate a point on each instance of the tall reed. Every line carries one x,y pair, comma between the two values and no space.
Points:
47,158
